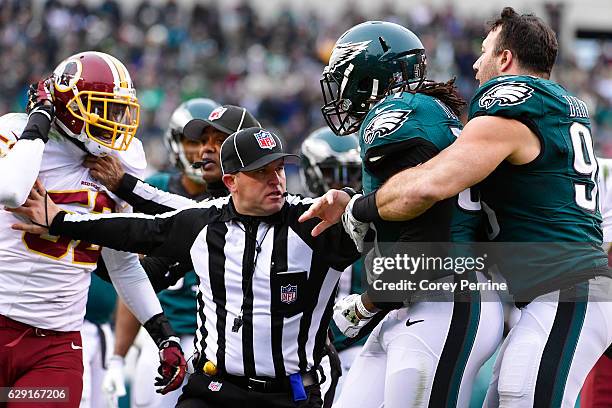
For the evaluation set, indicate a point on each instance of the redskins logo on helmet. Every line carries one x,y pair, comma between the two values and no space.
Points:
95,101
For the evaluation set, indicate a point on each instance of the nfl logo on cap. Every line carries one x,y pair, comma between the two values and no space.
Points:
288,294
265,139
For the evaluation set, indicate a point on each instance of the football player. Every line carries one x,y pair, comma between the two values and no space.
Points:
87,106
528,144
427,354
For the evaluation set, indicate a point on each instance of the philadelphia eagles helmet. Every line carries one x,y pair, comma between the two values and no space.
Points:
369,61
198,108
329,161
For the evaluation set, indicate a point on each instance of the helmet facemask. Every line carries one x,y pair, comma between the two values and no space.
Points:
110,119
182,162
336,174
342,114
330,162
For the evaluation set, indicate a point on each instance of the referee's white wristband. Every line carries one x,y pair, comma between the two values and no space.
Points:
362,309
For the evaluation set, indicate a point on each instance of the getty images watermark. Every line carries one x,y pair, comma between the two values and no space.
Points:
516,272
430,272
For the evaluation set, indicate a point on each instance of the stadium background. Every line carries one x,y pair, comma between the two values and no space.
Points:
267,55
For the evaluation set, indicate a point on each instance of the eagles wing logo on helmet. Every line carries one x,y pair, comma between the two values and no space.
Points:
506,94
385,124
344,53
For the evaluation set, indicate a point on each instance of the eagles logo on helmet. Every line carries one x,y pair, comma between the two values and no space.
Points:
95,102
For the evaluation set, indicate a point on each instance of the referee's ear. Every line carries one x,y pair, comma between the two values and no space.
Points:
230,182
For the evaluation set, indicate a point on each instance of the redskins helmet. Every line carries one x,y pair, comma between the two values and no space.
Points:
198,108
95,102
368,62
329,161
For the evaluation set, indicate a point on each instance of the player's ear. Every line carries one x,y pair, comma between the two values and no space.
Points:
230,182
506,59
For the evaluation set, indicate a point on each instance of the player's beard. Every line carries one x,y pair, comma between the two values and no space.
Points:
486,71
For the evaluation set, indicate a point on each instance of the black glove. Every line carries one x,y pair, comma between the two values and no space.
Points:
39,94
172,365
40,110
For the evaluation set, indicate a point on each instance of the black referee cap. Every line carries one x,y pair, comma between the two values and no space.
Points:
227,119
251,149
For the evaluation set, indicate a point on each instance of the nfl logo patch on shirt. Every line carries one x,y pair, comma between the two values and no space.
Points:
217,113
265,140
214,386
288,294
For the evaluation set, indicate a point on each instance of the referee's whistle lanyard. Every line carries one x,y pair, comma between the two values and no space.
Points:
250,233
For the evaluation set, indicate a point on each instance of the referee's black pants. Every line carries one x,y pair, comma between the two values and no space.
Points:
197,394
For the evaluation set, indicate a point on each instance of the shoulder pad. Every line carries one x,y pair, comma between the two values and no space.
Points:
511,96
133,159
385,118
11,127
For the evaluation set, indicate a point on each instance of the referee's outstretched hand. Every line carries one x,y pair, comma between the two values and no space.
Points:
39,208
329,208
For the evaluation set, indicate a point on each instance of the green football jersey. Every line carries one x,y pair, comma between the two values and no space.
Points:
101,300
178,301
553,199
395,121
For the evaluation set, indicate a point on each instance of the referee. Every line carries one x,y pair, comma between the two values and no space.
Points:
266,286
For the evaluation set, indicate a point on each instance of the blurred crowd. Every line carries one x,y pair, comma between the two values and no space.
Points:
177,52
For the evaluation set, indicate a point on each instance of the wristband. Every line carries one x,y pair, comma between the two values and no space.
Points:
39,124
364,208
160,330
350,191
117,357
362,309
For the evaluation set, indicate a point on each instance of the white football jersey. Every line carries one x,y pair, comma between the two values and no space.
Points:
605,197
44,279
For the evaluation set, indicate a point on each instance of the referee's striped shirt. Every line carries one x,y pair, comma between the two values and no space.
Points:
282,279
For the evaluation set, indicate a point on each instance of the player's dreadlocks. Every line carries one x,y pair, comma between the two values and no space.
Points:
446,92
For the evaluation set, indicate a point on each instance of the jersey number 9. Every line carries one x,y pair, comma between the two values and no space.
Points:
585,164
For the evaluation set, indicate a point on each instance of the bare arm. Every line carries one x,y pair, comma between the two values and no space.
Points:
485,142
126,329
